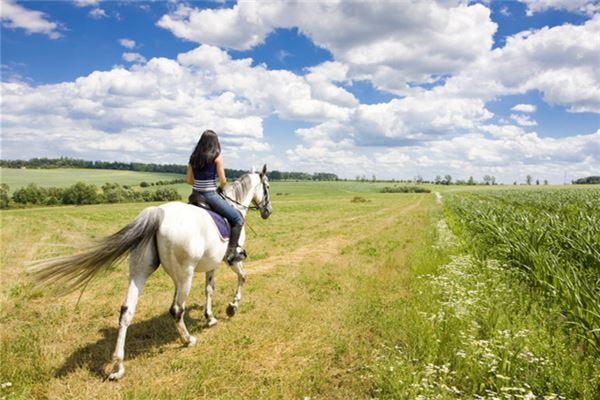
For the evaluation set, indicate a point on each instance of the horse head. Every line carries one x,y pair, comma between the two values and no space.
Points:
261,197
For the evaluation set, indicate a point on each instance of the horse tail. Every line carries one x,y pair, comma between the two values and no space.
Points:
69,273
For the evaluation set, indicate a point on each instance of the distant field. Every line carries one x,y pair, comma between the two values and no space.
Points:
62,177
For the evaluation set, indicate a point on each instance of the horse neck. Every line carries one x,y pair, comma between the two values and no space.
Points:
244,194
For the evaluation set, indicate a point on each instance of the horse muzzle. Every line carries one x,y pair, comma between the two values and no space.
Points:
266,212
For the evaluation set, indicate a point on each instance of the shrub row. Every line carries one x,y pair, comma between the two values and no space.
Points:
404,189
82,193
162,183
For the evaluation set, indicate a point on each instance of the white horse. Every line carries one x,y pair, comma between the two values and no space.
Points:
181,237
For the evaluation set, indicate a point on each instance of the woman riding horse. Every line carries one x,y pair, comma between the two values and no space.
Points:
205,164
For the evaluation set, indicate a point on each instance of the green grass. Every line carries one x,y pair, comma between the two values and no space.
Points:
63,177
344,299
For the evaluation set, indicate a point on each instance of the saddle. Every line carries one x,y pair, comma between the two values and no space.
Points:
199,200
222,224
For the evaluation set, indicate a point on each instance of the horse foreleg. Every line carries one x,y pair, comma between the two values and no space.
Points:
182,289
233,306
209,290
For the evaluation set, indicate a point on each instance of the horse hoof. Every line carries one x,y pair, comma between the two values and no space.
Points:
191,341
211,322
116,375
231,309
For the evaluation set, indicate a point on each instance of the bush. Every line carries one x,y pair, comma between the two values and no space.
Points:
4,195
30,194
404,189
80,193
167,194
359,199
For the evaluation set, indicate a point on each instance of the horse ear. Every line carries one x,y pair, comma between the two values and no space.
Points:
264,170
253,171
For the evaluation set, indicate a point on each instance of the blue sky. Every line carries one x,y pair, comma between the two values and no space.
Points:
391,89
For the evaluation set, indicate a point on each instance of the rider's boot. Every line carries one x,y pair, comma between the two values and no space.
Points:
233,255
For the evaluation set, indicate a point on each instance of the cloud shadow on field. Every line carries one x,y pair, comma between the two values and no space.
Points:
142,337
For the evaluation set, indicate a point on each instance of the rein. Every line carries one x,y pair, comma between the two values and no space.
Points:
250,207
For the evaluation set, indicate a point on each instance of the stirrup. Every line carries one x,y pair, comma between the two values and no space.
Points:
237,257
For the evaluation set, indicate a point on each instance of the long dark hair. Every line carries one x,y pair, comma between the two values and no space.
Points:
207,149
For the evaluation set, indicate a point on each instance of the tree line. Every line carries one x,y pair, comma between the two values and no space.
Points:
66,162
82,193
590,180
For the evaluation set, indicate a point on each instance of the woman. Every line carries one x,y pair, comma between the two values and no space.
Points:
205,164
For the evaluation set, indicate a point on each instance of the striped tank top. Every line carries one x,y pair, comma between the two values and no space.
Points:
205,178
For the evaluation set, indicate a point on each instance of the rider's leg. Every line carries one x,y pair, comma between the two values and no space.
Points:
235,220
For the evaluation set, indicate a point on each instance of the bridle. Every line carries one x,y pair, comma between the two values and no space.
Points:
259,206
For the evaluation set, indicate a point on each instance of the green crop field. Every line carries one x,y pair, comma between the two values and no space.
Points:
351,293
63,177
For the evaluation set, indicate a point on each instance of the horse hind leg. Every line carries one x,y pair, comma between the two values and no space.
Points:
142,263
233,306
182,289
209,290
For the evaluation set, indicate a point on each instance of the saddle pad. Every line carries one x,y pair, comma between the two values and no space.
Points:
221,223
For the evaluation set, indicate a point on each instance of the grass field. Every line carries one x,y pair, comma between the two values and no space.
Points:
63,177
345,299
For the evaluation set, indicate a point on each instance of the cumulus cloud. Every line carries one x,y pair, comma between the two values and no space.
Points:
523,120
98,13
390,43
129,43
588,7
509,155
561,62
15,16
86,3
134,57
527,108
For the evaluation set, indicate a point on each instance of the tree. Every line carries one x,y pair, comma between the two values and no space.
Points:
528,179
438,180
545,181
471,181
487,179
537,181
80,193
30,194
447,180
4,195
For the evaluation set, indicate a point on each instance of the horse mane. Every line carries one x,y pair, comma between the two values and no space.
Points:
240,187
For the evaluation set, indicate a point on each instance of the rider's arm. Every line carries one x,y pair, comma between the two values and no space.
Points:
220,172
189,175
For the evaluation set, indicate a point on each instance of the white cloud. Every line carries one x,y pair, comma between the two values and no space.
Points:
129,43
588,7
86,3
523,120
527,108
561,62
134,57
15,16
98,13
507,157
390,43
